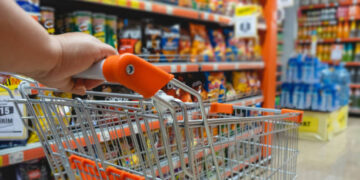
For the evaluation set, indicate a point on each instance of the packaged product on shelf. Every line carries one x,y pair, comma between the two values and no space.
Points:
240,83
152,40
129,37
69,22
254,81
231,45
215,86
170,42
184,44
183,95
33,170
98,22
60,24
111,31
47,19
201,49
217,6
31,7
83,22
185,3
218,43
197,84
230,91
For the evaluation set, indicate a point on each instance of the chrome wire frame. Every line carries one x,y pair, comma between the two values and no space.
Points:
162,139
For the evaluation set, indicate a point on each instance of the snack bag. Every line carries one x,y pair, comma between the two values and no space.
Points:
230,91
254,82
232,50
185,3
240,83
170,41
215,86
184,44
152,41
217,6
129,37
218,43
199,87
201,49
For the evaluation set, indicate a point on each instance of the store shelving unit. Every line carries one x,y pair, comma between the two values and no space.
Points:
269,66
210,66
329,5
338,40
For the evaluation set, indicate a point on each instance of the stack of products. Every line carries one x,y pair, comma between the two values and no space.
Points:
312,85
213,86
317,2
165,43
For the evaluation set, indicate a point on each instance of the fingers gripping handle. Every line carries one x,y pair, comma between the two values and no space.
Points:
132,72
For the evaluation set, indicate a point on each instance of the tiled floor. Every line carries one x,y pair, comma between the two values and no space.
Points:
333,160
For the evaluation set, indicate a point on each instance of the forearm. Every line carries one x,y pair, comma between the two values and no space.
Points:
25,47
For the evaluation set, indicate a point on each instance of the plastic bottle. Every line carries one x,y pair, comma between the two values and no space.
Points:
315,97
353,31
357,52
345,53
346,30
350,52
339,31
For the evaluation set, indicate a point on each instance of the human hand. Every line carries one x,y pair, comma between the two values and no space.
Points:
74,53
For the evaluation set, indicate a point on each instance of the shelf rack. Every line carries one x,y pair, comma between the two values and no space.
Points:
16,155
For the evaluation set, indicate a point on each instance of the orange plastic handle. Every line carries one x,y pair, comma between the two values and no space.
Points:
121,175
136,74
221,108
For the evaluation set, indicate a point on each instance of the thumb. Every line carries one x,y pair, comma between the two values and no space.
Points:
106,50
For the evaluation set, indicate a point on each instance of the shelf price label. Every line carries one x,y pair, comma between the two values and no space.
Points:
246,26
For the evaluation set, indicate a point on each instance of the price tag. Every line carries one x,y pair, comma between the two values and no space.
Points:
16,157
246,26
309,124
285,3
11,125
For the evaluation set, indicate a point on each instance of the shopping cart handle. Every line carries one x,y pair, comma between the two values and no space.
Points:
130,71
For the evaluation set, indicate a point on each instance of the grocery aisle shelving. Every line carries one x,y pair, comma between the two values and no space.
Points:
329,5
171,10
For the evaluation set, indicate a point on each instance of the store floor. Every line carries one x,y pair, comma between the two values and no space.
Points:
333,160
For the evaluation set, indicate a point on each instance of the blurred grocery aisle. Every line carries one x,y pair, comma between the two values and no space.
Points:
336,159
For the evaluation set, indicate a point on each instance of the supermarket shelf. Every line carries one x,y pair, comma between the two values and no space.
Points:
278,93
278,73
355,86
281,42
354,111
339,40
350,64
279,83
248,101
226,66
166,9
328,5
209,66
178,67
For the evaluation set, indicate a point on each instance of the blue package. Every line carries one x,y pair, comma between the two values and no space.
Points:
315,97
170,41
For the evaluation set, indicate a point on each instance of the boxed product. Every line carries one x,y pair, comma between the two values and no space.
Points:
129,36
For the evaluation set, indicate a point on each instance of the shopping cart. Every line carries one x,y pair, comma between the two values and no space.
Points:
155,136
